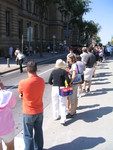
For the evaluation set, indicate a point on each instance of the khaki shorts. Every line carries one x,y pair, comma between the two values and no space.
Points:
73,98
7,138
88,73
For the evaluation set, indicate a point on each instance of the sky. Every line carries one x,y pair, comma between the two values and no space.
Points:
102,13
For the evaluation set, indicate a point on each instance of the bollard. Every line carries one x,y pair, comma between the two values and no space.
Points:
8,62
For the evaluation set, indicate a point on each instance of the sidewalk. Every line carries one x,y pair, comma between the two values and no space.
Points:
92,127
13,66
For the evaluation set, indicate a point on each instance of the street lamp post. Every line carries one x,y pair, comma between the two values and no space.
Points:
22,43
54,37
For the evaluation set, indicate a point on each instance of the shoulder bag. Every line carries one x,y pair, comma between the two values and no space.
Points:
78,78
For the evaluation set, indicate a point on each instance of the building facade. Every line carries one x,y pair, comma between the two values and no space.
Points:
20,25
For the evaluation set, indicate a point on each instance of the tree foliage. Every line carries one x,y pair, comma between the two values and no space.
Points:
73,8
98,39
73,11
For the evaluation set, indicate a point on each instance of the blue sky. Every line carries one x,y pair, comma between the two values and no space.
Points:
102,13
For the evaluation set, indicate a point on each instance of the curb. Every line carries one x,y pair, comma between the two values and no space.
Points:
38,62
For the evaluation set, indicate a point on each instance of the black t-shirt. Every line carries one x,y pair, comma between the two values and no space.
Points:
90,60
58,77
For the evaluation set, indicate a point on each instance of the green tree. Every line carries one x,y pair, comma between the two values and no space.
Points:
98,39
74,8
88,30
111,41
73,11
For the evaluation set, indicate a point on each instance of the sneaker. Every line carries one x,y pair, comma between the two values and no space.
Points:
84,90
63,124
69,116
55,119
88,90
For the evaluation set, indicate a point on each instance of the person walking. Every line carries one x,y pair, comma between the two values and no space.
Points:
16,55
7,124
31,92
57,79
20,57
88,73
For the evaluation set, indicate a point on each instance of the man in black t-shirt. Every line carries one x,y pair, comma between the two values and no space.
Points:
88,73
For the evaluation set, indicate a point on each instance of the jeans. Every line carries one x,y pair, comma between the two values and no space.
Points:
33,133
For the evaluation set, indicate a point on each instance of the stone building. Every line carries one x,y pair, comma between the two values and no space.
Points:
20,25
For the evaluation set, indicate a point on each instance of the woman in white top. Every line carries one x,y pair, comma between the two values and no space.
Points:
73,100
81,68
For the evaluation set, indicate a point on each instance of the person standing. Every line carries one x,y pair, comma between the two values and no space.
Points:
10,51
101,53
20,57
73,100
68,57
70,53
48,48
31,92
57,79
81,67
88,73
84,54
7,124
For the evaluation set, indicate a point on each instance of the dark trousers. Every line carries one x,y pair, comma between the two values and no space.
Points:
20,63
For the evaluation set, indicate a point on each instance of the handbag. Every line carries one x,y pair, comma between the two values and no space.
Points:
78,78
65,91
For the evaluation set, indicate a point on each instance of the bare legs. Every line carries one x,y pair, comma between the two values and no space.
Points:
89,85
10,145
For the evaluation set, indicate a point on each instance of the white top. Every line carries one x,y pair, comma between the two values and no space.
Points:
21,56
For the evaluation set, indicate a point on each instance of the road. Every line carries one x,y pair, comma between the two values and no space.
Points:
11,81
91,128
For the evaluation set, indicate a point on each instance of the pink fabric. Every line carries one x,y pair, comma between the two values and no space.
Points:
6,117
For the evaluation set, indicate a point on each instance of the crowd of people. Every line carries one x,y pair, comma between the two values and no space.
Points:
83,64
64,107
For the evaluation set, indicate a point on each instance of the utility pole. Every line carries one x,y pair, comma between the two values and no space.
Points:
22,43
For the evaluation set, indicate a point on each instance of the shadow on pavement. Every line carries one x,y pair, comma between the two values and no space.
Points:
98,83
11,87
101,79
103,74
90,115
87,106
80,143
98,92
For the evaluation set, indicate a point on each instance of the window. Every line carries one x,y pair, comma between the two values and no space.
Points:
35,32
20,28
27,5
7,23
